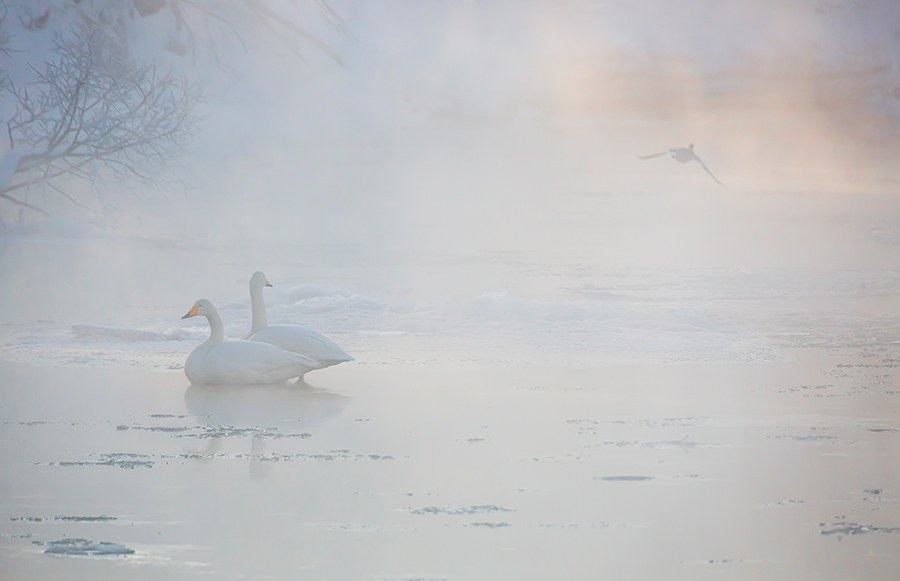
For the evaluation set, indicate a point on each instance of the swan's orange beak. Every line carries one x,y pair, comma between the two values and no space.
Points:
268,283
192,313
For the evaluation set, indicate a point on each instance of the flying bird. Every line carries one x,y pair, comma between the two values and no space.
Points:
684,155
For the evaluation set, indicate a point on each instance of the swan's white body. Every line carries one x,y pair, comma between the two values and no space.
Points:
293,338
239,362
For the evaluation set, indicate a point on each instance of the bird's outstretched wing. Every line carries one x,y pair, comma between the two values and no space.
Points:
653,155
706,169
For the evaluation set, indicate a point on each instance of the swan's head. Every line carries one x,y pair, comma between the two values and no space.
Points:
691,146
202,307
259,280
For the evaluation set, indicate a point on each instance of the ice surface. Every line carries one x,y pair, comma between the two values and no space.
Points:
382,462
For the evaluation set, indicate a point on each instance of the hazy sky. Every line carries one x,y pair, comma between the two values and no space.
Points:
476,114
467,127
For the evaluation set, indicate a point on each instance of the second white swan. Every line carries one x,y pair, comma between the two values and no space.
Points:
293,338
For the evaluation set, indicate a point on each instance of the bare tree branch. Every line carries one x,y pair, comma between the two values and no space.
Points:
232,17
91,108
268,16
92,112
23,204
4,36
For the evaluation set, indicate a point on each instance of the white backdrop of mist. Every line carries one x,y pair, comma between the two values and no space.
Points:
459,128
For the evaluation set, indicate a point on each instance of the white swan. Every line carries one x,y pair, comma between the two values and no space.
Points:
239,362
293,338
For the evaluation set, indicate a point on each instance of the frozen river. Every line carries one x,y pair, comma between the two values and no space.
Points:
572,362
462,471
512,414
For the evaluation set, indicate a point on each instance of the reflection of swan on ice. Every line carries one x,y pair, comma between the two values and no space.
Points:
262,411
239,362
293,338
262,406
683,155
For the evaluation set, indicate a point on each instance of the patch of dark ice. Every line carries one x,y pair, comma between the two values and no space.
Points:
122,460
205,432
473,509
787,502
171,429
84,547
850,528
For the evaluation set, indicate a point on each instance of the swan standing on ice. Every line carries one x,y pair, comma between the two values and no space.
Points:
239,362
684,155
293,338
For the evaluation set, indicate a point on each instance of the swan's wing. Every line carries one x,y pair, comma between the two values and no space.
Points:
304,341
251,362
651,156
706,169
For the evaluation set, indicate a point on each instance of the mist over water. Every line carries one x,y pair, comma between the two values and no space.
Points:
557,344
464,149
517,127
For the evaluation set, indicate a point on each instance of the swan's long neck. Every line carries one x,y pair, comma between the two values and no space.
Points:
216,329
258,308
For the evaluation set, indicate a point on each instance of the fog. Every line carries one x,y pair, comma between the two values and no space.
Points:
515,126
433,118
461,126
453,192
